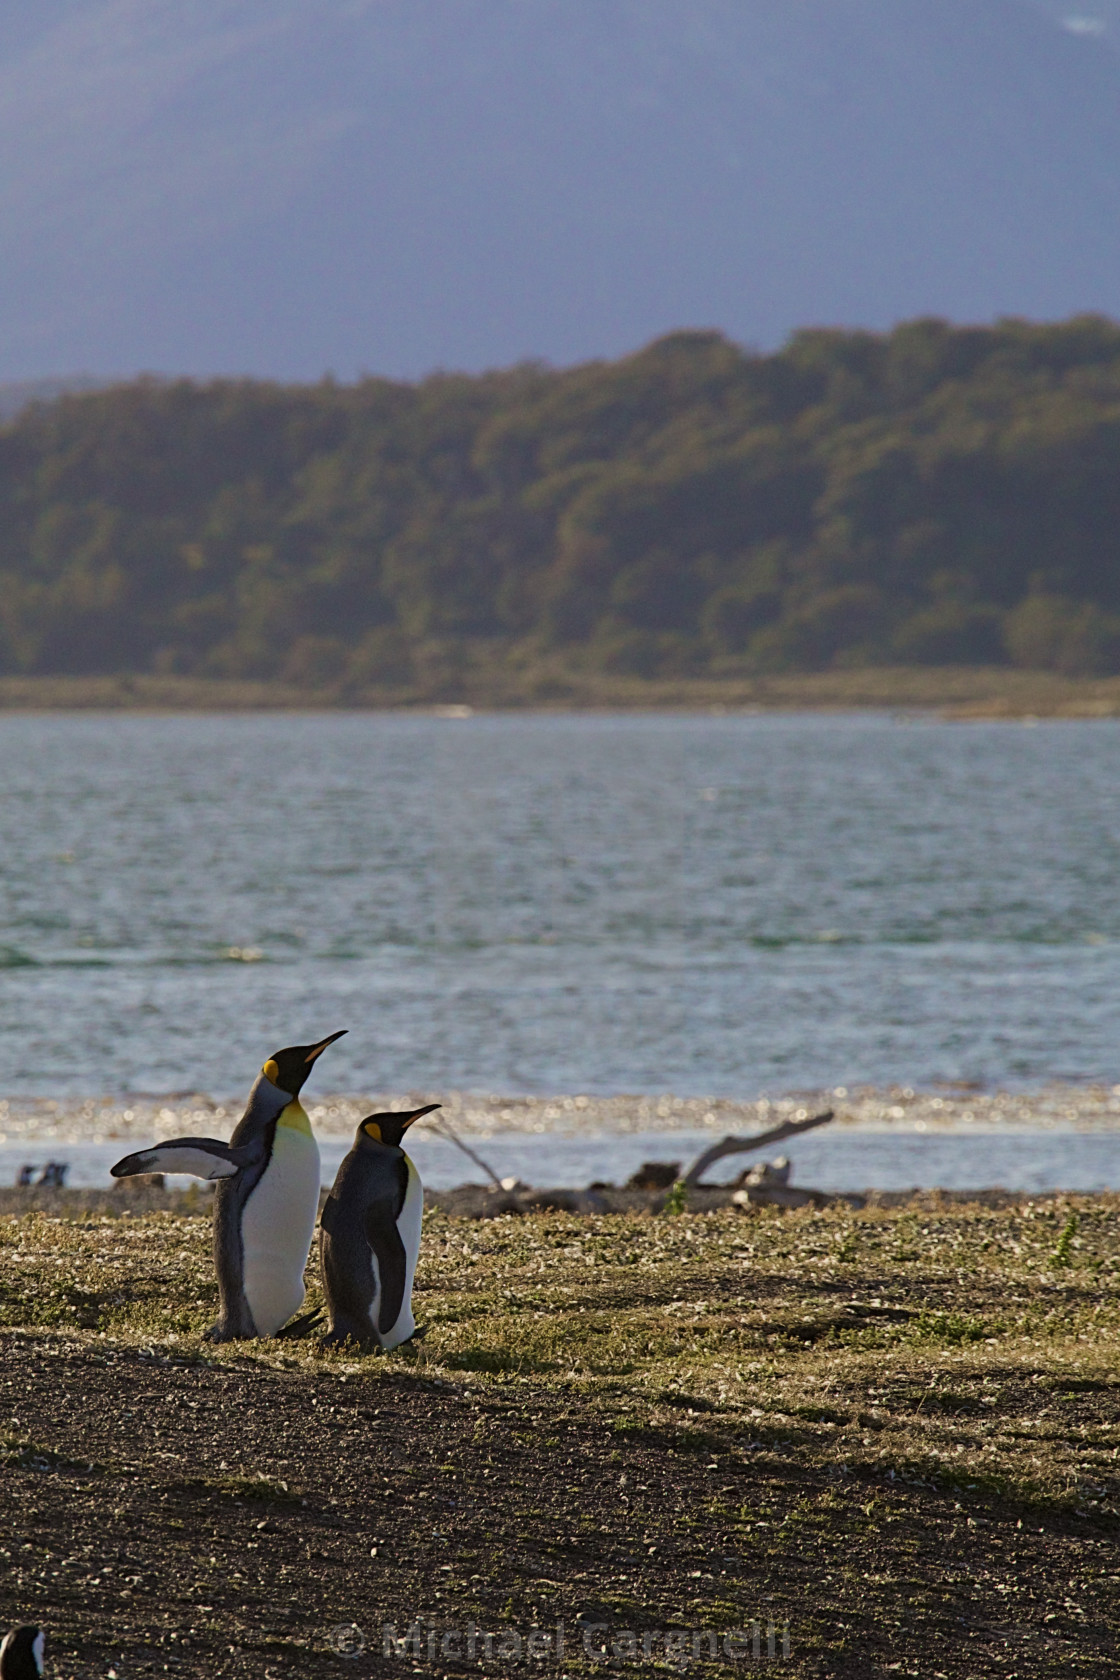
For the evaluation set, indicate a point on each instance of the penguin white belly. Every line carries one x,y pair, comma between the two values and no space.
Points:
408,1224
277,1225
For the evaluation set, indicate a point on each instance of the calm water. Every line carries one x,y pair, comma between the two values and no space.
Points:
699,904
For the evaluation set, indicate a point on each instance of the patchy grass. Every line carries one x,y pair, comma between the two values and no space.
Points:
898,1431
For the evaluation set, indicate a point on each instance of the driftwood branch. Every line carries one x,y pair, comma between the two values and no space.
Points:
736,1145
441,1126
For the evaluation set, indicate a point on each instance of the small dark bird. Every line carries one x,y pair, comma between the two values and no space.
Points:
21,1654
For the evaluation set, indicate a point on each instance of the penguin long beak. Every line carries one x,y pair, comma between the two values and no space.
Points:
317,1050
420,1113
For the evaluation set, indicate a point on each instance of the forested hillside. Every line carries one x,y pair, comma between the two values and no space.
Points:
935,495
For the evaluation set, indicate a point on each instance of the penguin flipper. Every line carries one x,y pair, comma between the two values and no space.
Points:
200,1157
392,1269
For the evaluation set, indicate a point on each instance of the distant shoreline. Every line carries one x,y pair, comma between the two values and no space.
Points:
954,692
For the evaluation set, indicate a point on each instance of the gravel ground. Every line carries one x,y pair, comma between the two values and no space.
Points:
889,1437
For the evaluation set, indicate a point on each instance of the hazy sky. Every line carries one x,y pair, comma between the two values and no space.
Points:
289,186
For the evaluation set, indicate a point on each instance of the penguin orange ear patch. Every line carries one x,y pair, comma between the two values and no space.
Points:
271,1071
372,1130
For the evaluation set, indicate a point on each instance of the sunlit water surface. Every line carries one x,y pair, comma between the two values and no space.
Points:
730,904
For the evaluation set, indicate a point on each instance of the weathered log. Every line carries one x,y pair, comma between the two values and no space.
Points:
736,1145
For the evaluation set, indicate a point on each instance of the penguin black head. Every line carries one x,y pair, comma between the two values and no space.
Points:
287,1069
21,1654
390,1128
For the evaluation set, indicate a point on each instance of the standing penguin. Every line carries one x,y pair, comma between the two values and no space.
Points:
265,1200
369,1236
21,1654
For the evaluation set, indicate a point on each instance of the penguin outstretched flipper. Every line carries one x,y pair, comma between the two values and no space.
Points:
200,1157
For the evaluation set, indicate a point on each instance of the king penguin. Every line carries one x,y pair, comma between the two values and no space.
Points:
265,1199
21,1654
369,1236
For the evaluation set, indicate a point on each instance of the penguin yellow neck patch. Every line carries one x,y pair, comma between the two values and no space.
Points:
295,1118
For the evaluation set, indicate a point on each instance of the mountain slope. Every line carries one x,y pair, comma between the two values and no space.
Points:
283,186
